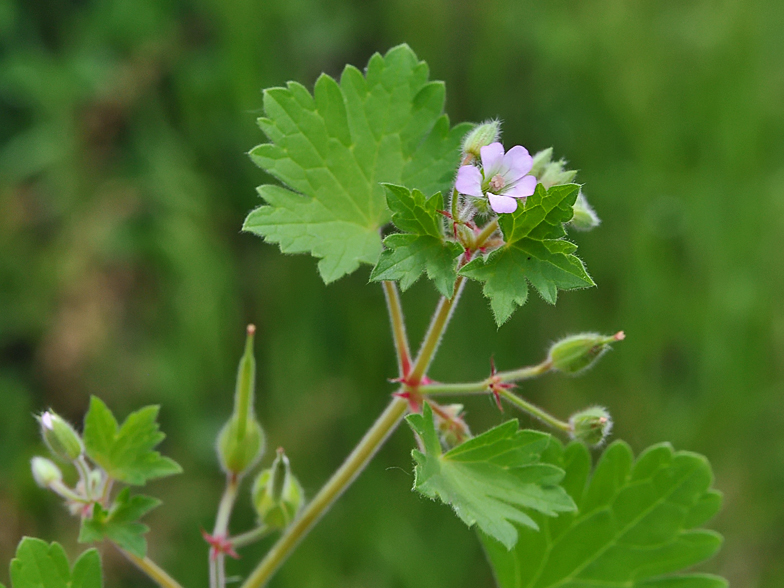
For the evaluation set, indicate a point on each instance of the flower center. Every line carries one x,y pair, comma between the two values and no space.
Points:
497,182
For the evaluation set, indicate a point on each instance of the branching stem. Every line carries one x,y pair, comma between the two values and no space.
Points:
483,386
218,561
251,536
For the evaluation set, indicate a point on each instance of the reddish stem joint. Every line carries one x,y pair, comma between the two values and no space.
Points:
219,544
496,385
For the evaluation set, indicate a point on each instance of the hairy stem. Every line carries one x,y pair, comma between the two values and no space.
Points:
434,333
218,564
329,493
153,570
483,386
398,327
486,232
534,411
251,536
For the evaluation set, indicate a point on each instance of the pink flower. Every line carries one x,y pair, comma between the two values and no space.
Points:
503,177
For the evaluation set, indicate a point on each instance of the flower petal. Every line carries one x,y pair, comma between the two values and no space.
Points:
502,204
469,181
492,158
518,162
525,186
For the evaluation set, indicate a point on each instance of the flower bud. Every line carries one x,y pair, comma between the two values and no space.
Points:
577,353
241,441
60,437
45,472
591,426
481,136
239,452
585,217
277,495
551,173
452,428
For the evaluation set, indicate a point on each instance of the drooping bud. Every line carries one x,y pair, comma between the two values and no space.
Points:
585,217
241,441
577,353
45,472
551,173
591,426
277,495
60,437
452,428
481,136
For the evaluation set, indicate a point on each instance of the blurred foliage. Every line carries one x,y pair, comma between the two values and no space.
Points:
123,184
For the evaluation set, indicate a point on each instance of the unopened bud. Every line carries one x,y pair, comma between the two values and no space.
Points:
277,495
577,353
451,426
240,452
591,426
481,136
45,472
241,441
585,217
551,173
60,437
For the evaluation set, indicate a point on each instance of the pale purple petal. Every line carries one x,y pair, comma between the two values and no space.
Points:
46,420
469,181
522,188
502,204
492,158
518,162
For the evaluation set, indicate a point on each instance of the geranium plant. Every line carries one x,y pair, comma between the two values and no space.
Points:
371,172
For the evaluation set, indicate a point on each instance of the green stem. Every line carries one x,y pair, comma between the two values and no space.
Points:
217,565
486,232
454,203
84,475
483,386
331,491
153,570
535,411
433,337
251,536
398,327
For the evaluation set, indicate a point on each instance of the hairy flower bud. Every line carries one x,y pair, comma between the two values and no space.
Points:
45,472
241,441
577,353
591,426
585,217
551,173
452,428
60,437
481,136
277,495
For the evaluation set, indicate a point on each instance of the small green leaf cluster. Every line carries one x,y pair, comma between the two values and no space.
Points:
106,454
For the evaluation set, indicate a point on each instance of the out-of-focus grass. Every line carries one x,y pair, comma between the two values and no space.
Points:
123,185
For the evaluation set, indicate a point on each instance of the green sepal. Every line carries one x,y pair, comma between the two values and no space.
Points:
637,524
534,251
492,480
40,565
422,246
126,452
332,150
120,524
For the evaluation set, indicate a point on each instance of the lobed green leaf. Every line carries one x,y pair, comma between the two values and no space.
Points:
636,524
126,452
333,150
40,565
120,523
534,251
490,479
422,247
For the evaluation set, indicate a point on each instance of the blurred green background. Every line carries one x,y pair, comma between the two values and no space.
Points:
123,272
